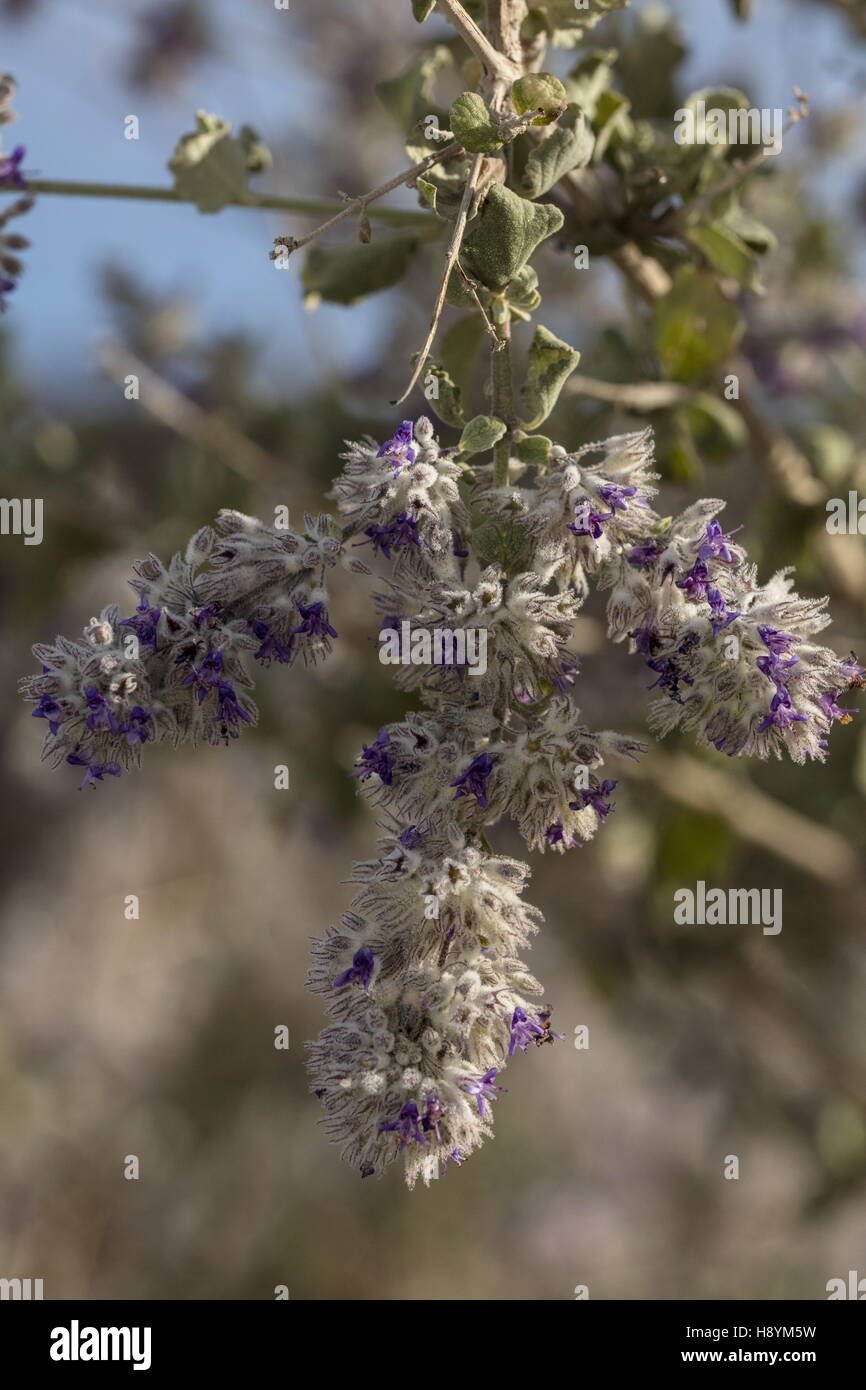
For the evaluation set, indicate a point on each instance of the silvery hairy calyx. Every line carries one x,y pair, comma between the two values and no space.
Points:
424,979
501,535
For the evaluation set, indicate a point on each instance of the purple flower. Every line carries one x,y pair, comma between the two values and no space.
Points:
567,672
523,1031
50,710
597,799
144,623
407,1126
555,835
135,728
11,175
400,450
590,522
271,648
721,615
645,552
207,676
95,771
695,582
778,643
411,837
376,758
473,781
828,705
431,1117
400,532
228,711
101,715
781,713
669,677
455,1156
314,621
360,971
616,497
483,1089
716,547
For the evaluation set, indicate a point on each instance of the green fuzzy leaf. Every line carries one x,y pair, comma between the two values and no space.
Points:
422,8
428,193
566,22
590,76
523,295
551,363
727,254
211,167
501,542
443,394
448,180
408,96
345,274
474,124
697,328
504,235
534,449
568,147
481,434
542,92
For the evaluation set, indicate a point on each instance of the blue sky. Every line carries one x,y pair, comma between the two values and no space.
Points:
73,96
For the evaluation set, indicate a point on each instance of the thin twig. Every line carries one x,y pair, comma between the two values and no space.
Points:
172,408
472,291
360,204
306,207
497,64
450,260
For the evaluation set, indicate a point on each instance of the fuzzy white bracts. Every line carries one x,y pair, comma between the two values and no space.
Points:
176,668
430,999
423,978
424,981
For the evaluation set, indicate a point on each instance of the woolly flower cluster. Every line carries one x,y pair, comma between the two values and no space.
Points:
429,999
176,668
428,995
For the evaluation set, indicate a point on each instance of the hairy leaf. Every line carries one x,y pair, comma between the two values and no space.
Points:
542,92
345,274
211,166
443,394
504,235
481,434
565,22
568,147
551,363
474,124
534,449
